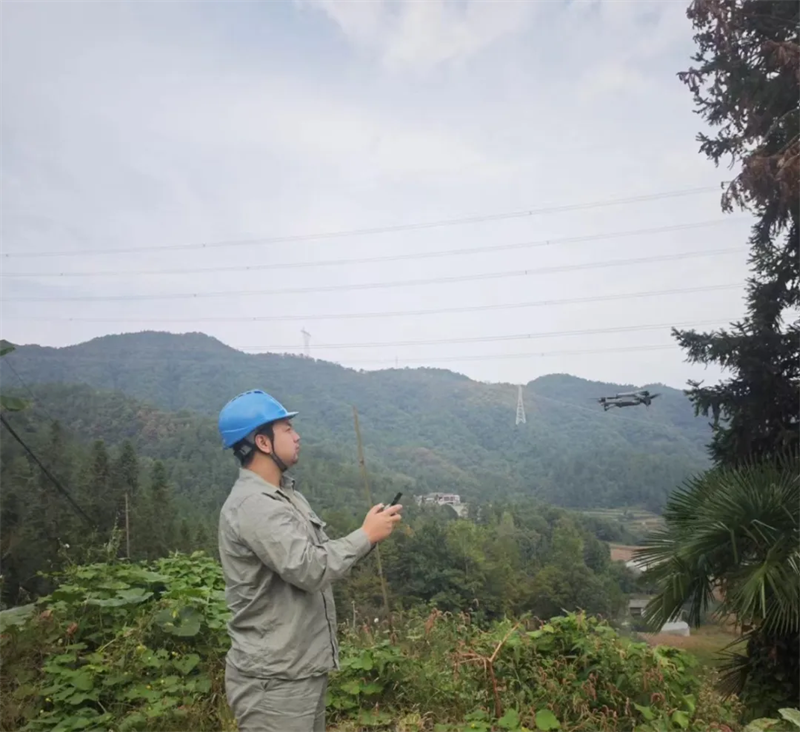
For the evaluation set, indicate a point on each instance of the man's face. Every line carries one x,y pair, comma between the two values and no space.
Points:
286,441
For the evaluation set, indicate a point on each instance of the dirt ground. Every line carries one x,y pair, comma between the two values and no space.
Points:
622,552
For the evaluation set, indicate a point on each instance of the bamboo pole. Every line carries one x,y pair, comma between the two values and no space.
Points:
127,527
363,465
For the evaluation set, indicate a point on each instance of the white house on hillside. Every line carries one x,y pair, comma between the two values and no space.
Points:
444,499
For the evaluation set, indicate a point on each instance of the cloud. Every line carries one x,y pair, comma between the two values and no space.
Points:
418,36
153,124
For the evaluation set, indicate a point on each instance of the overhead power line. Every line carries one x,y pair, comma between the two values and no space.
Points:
492,338
49,475
502,356
390,313
390,284
243,267
371,230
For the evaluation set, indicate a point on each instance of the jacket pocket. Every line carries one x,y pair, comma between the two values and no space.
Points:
318,526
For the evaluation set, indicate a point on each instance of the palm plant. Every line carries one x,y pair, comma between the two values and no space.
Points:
733,536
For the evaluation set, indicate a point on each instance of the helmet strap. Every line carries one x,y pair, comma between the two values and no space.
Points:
249,444
282,466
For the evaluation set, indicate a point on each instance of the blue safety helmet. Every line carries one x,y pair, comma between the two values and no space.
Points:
247,412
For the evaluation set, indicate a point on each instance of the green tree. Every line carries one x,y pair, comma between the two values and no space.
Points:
185,539
737,531
202,539
566,583
162,509
10,403
126,481
101,498
736,527
18,481
746,84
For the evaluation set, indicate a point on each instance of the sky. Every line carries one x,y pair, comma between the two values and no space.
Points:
502,188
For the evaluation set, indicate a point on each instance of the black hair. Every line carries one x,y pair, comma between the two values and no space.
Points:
245,449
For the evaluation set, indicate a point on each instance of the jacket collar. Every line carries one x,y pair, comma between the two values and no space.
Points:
250,481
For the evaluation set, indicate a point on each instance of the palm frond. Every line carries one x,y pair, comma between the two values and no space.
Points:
738,530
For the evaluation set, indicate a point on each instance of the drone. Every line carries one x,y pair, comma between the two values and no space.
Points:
628,399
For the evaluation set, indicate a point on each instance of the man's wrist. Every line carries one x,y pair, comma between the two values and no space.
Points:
361,541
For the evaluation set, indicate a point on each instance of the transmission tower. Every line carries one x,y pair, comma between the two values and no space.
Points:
520,408
306,342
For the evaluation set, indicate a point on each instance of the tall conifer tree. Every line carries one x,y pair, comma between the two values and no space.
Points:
746,85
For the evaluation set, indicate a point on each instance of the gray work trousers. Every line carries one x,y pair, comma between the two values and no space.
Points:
276,705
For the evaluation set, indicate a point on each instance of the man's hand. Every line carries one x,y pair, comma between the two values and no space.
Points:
380,522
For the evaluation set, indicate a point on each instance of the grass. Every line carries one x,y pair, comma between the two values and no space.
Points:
705,642
637,520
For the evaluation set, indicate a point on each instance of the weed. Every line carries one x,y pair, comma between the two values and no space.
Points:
128,647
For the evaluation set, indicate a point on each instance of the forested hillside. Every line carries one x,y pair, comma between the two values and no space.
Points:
432,428
106,449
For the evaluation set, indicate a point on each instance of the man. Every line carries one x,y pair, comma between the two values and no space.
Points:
278,565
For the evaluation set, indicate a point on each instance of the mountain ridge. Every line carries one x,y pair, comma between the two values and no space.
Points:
570,451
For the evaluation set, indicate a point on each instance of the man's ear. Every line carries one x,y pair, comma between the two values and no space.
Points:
263,443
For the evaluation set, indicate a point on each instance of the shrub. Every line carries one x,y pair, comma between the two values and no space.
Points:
141,647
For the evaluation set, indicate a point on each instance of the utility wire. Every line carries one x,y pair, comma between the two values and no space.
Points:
241,267
486,339
371,230
390,313
52,478
527,354
390,284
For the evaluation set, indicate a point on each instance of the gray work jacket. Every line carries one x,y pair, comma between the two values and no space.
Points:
278,565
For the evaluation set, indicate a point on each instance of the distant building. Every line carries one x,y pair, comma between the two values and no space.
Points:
679,627
637,566
637,606
443,499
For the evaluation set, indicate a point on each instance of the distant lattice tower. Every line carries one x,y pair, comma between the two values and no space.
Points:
520,408
306,342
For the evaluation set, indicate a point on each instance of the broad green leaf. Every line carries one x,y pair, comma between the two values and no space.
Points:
116,679
791,715
681,719
371,718
185,622
761,725
135,595
82,680
510,720
352,687
15,616
132,721
107,602
646,712
546,720
186,664
80,698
